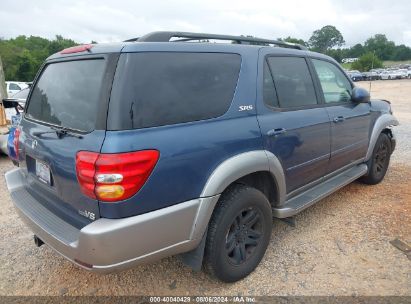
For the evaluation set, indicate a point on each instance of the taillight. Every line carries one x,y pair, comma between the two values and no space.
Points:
85,168
114,177
16,138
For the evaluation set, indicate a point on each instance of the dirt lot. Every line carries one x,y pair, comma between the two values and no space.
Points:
341,246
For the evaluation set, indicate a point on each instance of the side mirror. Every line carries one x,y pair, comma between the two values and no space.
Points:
360,95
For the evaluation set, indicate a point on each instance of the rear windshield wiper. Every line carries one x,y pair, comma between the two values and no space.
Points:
60,132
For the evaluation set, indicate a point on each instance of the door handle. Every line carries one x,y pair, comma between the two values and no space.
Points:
276,132
339,119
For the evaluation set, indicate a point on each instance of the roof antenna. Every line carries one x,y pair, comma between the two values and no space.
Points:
372,67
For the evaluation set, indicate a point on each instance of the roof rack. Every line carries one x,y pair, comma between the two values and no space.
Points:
165,36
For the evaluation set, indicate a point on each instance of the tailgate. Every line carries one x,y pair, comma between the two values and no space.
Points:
65,114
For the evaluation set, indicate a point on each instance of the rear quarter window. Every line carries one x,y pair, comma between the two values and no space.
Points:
162,88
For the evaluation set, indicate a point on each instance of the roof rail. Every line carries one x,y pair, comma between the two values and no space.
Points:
165,36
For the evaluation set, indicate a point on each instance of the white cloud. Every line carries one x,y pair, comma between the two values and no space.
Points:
106,20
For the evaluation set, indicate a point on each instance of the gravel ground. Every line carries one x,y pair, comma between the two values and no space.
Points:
341,246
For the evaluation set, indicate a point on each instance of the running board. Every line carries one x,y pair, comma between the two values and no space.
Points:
313,195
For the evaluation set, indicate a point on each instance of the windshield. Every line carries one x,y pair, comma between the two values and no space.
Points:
67,94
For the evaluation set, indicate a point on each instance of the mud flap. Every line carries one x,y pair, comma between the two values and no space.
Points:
194,258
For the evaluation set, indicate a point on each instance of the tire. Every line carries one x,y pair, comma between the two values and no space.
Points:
238,234
379,161
389,77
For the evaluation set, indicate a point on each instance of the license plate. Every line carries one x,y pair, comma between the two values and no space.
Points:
43,172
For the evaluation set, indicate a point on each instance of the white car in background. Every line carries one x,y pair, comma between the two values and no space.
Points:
390,74
403,73
13,87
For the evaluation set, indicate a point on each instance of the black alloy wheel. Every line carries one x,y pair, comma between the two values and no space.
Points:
244,235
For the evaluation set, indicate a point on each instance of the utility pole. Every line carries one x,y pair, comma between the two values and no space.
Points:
3,94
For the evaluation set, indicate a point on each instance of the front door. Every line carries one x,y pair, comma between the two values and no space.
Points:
295,127
350,121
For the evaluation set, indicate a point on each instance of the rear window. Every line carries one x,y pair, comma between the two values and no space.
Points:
162,88
67,94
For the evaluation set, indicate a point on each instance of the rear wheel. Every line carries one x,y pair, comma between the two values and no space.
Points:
380,159
238,234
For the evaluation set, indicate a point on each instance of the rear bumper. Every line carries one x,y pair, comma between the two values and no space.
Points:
108,245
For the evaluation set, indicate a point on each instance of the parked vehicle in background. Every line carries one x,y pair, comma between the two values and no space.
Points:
13,107
19,100
390,74
403,73
355,75
409,73
11,144
176,147
6,133
371,76
13,87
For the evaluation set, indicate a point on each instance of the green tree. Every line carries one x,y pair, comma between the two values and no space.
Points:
382,47
337,54
22,56
367,62
290,39
401,52
356,51
326,38
59,44
26,66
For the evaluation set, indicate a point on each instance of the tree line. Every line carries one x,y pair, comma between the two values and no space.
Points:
329,40
22,56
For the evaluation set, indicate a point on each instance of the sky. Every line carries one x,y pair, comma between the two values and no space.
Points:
117,20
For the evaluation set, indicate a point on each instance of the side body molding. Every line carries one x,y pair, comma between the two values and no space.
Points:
382,122
243,164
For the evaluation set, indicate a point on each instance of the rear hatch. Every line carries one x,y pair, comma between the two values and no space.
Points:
65,113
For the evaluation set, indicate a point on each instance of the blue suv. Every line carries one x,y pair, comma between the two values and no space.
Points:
168,145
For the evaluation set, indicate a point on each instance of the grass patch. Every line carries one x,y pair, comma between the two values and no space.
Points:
346,66
386,64
389,63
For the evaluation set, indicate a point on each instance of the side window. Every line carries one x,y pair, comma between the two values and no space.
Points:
164,88
293,81
14,87
335,85
269,93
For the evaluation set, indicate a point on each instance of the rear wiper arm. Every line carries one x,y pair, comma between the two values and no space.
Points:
64,131
60,132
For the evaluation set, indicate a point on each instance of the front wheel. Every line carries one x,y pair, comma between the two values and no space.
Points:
238,234
380,159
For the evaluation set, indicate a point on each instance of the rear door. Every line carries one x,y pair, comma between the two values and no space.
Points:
350,121
69,94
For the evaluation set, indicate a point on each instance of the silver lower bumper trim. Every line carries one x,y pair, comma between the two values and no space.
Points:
115,244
